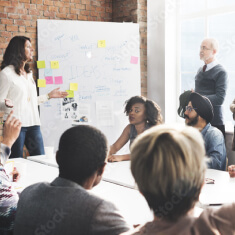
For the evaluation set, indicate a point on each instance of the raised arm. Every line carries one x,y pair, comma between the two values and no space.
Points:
56,93
11,132
121,141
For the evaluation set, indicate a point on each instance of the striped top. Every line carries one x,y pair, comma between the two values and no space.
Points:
8,196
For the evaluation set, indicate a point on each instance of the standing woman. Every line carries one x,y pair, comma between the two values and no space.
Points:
17,84
143,114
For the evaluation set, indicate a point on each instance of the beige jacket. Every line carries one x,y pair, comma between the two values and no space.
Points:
210,222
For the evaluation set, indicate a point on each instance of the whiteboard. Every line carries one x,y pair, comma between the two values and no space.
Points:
106,76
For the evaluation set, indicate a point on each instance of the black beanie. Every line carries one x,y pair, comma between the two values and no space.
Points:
202,105
184,99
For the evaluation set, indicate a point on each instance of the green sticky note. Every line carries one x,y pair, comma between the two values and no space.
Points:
73,86
41,83
41,64
54,64
71,94
101,43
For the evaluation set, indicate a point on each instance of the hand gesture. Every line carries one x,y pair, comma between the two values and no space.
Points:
8,103
115,158
11,130
56,93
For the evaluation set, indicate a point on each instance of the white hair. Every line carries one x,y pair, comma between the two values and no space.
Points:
214,43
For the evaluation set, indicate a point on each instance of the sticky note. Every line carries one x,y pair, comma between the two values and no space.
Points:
58,80
73,86
71,94
49,80
134,60
54,64
41,83
101,43
47,72
41,64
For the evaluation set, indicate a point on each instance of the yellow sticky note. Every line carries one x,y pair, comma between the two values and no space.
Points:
71,94
41,64
73,86
101,43
54,64
41,83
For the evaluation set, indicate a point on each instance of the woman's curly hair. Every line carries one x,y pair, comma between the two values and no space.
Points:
153,110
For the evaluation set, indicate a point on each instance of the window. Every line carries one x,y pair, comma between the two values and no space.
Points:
208,18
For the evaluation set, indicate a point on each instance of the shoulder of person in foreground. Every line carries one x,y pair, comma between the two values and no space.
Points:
220,221
107,220
211,221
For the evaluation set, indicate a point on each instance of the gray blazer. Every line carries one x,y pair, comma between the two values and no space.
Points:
64,207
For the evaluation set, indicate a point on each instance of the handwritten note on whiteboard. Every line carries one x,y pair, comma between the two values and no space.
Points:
104,113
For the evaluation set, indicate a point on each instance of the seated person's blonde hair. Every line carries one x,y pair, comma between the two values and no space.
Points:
168,165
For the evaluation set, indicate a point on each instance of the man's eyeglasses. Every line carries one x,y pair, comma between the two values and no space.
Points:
203,48
189,108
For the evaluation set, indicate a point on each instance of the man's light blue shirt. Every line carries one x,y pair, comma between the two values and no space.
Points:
215,147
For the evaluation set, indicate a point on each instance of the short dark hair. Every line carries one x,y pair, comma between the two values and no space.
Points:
15,54
82,151
153,110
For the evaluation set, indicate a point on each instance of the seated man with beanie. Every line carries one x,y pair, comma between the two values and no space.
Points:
199,114
65,206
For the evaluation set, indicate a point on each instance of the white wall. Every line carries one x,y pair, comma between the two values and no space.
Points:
162,56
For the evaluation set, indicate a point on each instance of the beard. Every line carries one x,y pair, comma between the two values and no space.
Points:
192,121
204,58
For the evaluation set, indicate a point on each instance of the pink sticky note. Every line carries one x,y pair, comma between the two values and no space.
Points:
59,80
134,60
49,80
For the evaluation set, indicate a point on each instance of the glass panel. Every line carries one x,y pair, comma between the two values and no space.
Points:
220,3
187,81
192,33
191,6
222,28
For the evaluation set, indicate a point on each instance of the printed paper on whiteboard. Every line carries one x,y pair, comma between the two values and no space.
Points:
104,113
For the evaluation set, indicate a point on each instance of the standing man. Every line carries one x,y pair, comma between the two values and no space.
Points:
211,80
199,114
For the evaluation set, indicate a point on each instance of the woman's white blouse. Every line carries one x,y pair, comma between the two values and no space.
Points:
23,94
